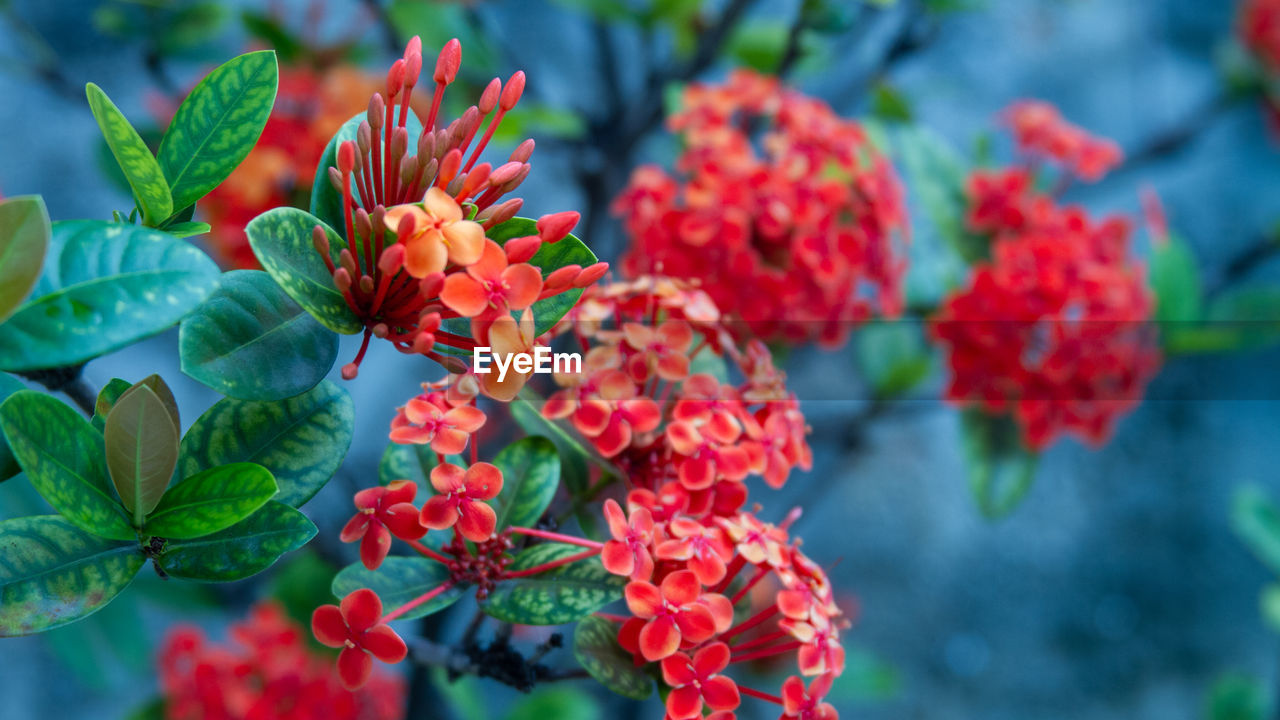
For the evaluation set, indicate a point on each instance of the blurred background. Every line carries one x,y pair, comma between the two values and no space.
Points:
1121,587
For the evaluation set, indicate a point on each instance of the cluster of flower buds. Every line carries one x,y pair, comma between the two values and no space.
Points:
416,217
797,232
1054,326
1041,133
269,671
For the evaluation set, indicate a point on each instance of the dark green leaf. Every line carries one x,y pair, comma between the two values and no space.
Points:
105,286
107,398
573,456
246,548
8,463
53,573
595,645
1001,468
217,125
211,501
251,341
24,239
141,450
399,580
135,159
759,44
273,34
301,440
62,456
530,475
561,595
410,462
281,239
889,105
1175,279
326,201
1255,519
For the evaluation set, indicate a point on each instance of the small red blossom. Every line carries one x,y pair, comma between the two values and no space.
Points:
627,554
427,420
704,548
1041,132
491,285
1259,30
799,704
356,626
382,512
697,681
673,614
461,500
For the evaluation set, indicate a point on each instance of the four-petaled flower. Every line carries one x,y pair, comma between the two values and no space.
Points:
800,705
673,613
461,500
663,350
627,554
435,234
423,422
697,681
704,548
381,513
356,626
491,285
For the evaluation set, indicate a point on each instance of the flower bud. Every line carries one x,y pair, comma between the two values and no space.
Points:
512,92
553,228
366,284
523,151
489,98
349,371
562,278
504,173
335,179
395,79
364,228
448,62
521,249
591,274
392,259
377,107
348,262
342,279
320,240
431,285
364,136
449,166
346,157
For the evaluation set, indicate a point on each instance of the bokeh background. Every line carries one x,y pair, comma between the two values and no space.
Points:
1116,590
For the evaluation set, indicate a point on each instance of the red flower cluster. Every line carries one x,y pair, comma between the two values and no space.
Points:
796,231
438,201
268,672
1042,133
1054,326
1259,29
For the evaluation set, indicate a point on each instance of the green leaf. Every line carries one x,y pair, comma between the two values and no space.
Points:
399,580
24,239
251,341
530,475
141,449
211,501
104,286
595,645
246,548
889,104
302,440
893,356
62,456
561,595
759,44
549,258
573,456
8,463
107,398
187,229
560,703
411,462
1255,519
54,573
1237,697
281,239
1269,605
217,125
273,34
140,168
1001,468
1175,279
326,201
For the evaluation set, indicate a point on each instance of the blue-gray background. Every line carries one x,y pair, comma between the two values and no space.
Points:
1115,591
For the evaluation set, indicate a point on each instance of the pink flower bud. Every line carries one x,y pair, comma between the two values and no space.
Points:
377,106
553,228
489,98
448,62
349,371
504,173
512,92
342,279
320,240
521,249
395,79
523,151
449,166
392,258
591,274
562,278
346,157
366,284
431,285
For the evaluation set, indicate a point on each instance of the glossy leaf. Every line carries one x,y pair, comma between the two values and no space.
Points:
54,573
141,450
595,645
326,201
251,341
107,398
145,177
8,463
24,240
1001,468
530,475
217,125
550,257
561,595
399,580
573,456
187,229
62,456
281,239
246,548
410,462
211,501
104,286
302,440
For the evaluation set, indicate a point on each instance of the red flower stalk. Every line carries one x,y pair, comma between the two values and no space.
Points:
356,626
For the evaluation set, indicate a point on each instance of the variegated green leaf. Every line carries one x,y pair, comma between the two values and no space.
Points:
281,239
411,462
211,501
187,229
217,125
135,159
302,440
251,341
62,456
530,475
104,286
326,201
399,580
561,595
246,548
141,449
8,463
595,645
53,573
24,240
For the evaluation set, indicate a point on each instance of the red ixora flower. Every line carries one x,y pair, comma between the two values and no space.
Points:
1259,30
797,234
356,626
627,554
1042,132
428,420
673,613
697,681
461,500
797,704
380,513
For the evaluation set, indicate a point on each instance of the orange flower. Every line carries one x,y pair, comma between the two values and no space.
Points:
434,233
673,613
422,422
492,285
627,554
509,338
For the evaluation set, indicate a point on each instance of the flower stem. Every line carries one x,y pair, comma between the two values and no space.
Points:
759,695
424,598
557,537
428,552
552,565
750,584
767,652
751,622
